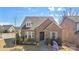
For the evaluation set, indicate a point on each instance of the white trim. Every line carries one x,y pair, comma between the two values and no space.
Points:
56,34
77,26
50,34
29,24
11,29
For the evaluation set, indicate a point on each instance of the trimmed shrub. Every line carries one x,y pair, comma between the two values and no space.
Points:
18,39
30,40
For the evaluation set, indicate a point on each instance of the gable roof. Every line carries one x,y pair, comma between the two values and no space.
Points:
36,20
6,27
73,18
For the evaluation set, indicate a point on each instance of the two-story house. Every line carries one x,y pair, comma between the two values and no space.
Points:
40,28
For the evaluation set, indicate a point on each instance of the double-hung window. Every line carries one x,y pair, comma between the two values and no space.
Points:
28,24
53,35
30,34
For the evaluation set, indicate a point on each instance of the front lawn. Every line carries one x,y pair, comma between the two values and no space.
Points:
30,48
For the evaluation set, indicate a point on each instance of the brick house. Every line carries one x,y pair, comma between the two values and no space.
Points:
40,28
70,29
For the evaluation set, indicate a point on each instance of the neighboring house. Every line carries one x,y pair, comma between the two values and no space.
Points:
70,29
8,28
7,31
1,29
40,28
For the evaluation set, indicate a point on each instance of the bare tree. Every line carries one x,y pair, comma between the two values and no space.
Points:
68,11
72,11
63,13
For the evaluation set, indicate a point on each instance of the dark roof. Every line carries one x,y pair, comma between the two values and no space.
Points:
6,27
36,20
74,18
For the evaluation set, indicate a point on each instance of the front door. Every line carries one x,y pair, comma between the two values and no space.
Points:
41,35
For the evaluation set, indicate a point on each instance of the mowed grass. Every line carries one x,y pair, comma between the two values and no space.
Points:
16,48
27,47
30,47
2,44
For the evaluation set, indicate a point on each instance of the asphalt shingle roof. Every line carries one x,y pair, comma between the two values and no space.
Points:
36,20
6,27
74,18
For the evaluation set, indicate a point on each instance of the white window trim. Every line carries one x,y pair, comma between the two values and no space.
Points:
28,22
77,25
50,34
53,32
30,33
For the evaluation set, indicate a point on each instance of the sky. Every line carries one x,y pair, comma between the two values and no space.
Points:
8,15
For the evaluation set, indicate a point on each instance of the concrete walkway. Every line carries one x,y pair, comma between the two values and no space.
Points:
44,47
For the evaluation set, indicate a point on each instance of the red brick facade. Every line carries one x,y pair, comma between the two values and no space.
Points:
45,26
68,31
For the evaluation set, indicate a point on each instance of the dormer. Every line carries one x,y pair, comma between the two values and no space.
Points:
28,24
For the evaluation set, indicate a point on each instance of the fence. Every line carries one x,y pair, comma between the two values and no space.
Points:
7,35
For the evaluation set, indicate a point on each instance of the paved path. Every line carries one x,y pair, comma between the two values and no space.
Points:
44,47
